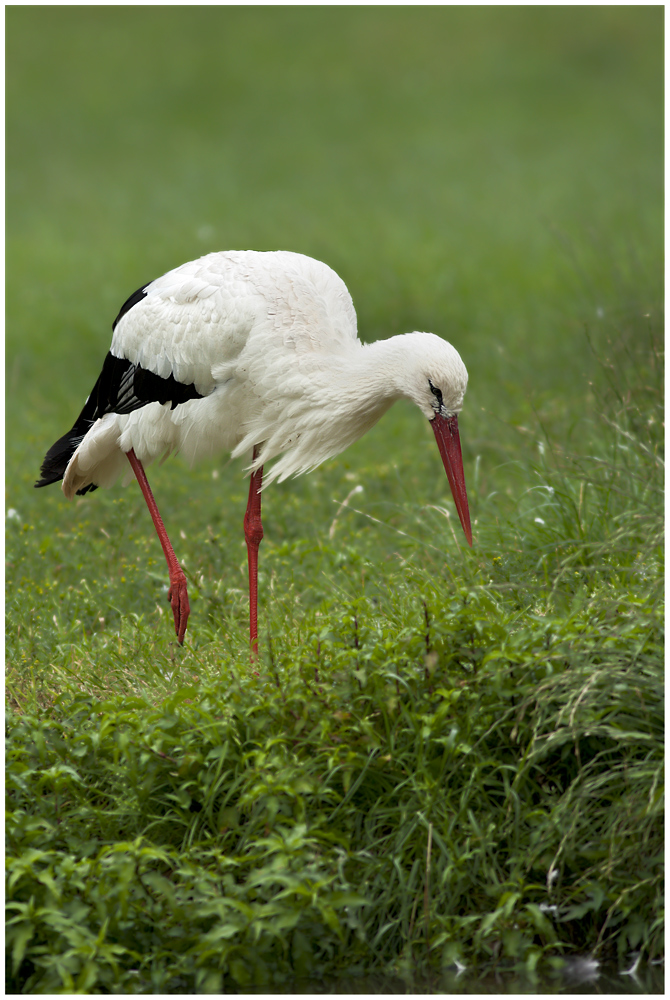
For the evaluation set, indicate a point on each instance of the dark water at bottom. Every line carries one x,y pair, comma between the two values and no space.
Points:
580,977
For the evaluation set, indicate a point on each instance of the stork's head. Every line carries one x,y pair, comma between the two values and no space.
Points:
433,375
436,379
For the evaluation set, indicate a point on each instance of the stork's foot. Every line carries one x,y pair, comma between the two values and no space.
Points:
178,598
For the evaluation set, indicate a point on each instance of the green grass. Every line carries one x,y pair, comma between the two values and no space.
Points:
443,755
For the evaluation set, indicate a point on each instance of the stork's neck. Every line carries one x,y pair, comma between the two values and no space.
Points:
391,359
367,379
377,372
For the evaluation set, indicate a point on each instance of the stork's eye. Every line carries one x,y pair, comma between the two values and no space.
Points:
437,393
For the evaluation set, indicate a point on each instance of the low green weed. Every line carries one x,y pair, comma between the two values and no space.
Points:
449,762
433,773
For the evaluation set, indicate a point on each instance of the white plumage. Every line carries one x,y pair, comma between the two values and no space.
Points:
252,353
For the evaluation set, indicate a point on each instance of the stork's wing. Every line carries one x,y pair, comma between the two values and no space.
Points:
199,318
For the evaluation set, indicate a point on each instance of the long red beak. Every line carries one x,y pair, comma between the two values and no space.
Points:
449,443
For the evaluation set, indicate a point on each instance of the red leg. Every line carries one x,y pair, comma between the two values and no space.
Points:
177,594
253,532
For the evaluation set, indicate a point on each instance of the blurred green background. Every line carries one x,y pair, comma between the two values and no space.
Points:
469,170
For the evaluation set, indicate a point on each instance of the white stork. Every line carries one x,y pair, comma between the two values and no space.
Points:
257,354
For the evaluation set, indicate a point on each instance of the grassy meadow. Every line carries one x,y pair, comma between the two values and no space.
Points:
444,756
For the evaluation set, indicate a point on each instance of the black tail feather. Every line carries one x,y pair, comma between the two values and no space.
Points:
59,454
121,388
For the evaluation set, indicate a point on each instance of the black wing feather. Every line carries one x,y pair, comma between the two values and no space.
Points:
121,388
131,301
